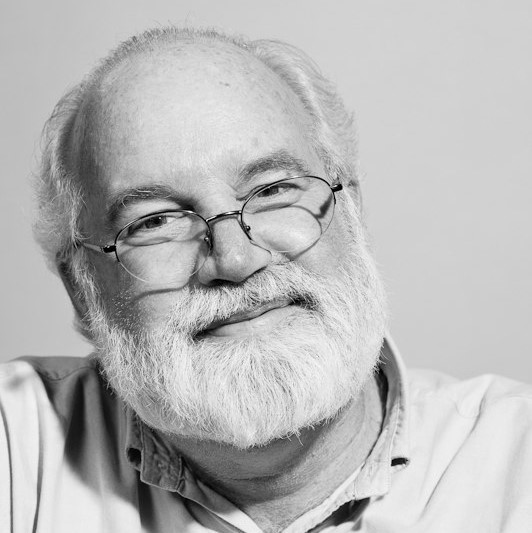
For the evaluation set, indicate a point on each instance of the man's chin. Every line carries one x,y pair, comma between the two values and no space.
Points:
260,418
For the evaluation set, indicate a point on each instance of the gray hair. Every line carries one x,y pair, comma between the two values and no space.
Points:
58,189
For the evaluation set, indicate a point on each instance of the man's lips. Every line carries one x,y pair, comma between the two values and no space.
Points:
255,320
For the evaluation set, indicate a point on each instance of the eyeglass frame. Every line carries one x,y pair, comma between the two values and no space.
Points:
112,248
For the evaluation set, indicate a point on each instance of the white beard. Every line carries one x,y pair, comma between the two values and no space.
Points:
251,390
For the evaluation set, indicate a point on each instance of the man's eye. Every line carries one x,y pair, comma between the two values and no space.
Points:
274,190
151,223
155,222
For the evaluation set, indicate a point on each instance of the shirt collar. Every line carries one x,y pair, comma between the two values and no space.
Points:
161,466
391,451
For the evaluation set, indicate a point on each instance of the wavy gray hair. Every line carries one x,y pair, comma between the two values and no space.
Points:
59,191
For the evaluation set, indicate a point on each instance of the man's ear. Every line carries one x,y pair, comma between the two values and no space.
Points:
352,188
73,290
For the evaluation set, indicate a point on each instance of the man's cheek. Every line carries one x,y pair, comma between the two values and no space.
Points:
324,257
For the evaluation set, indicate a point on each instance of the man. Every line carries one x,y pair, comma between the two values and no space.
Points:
199,198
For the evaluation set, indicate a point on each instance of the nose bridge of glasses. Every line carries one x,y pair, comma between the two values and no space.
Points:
225,214
237,213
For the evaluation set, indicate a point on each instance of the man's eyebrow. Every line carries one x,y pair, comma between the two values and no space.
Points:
279,160
135,195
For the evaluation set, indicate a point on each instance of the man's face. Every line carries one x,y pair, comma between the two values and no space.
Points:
200,129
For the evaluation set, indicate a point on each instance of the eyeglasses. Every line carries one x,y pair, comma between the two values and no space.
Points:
168,247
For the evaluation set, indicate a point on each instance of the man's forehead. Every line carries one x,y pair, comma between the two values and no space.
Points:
183,68
193,78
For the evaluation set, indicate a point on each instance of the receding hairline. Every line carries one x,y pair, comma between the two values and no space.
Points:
104,79
159,42
106,74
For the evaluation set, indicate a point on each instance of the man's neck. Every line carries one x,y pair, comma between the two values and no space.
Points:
277,483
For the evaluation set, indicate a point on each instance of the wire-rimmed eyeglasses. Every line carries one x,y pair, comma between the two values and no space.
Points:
168,247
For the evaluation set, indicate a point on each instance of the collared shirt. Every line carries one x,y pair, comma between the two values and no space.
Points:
451,457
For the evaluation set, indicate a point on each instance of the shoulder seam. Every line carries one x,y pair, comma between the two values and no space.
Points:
52,374
42,372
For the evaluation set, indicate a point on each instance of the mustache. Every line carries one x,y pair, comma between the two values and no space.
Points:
199,307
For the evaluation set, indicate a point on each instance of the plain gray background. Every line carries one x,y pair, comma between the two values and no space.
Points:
442,94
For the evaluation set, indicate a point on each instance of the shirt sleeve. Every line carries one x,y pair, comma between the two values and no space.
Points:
22,396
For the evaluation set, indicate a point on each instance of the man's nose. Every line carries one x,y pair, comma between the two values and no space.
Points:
234,257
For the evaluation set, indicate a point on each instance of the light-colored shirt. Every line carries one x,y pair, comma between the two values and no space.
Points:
453,456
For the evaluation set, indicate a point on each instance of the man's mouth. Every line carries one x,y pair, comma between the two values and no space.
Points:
254,321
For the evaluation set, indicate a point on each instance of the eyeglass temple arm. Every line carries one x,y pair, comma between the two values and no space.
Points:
108,249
